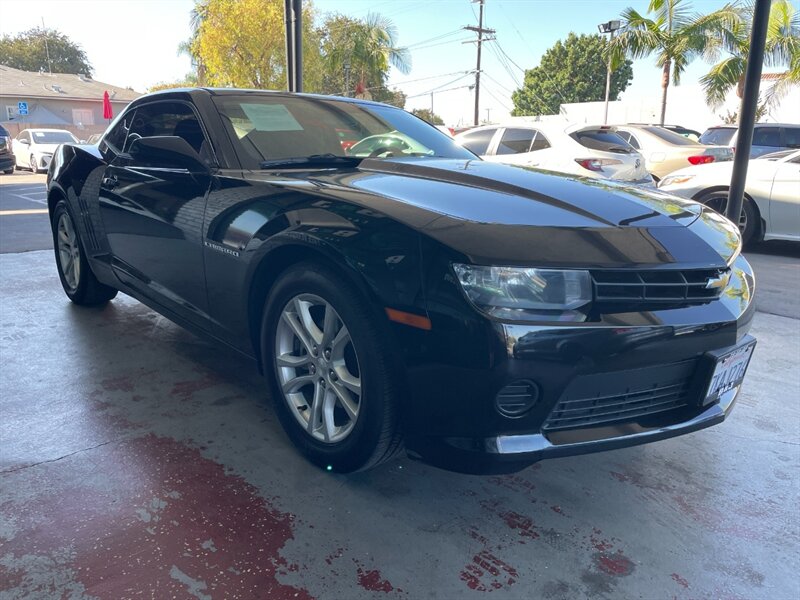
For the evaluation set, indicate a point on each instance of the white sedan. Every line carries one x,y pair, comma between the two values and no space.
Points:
771,209
594,151
33,148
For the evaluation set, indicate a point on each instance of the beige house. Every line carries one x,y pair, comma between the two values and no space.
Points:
59,101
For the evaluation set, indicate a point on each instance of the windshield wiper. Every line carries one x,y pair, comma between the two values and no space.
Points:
314,160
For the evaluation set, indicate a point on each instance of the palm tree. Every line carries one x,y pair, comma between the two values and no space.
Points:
366,49
782,49
673,34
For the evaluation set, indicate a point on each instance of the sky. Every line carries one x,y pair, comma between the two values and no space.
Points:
134,42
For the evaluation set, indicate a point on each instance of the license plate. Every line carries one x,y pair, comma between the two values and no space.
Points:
729,372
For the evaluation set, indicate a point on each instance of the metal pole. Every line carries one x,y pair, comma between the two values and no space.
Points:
608,80
478,69
298,45
287,8
747,112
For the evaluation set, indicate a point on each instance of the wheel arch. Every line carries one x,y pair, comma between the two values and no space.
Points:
280,258
762,225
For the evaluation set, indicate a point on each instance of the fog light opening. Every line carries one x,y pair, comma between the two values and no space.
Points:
517,398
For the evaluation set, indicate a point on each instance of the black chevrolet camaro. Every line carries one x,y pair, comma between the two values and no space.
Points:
398,292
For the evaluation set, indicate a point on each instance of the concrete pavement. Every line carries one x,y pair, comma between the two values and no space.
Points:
138,460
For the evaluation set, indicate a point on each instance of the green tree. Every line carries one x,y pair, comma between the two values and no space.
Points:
782,49
28,51
570,71
426,114
674,34
357,55
241,43
190,80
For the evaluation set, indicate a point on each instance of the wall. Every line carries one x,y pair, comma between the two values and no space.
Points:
62,109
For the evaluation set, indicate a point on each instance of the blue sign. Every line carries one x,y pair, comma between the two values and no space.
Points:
22,108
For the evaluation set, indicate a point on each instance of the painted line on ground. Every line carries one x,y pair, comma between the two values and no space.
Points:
26,211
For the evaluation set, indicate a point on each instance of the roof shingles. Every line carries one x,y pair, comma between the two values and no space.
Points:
16,83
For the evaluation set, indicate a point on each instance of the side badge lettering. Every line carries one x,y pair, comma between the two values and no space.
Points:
220,248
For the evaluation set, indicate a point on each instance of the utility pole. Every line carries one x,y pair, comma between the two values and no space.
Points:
488,118
480,30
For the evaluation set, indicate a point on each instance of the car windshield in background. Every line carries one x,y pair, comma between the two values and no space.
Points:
718,136
600,139
53,137
670,136
265,129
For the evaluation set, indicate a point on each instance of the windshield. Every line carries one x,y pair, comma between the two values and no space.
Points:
669,136
265,128
718,136
53,137
602,139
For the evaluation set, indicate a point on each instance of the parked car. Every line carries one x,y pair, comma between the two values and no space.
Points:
486,315
7,160
33,148
767,137
771,209
665,151
679,129
590,151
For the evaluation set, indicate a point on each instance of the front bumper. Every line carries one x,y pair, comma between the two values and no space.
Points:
43,160
453,420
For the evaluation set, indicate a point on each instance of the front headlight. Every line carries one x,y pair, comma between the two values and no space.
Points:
518,293
674,180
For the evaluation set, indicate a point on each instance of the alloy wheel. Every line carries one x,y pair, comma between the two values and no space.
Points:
318,370
720,204
69,252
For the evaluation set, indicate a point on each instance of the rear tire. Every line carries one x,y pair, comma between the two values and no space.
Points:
74,271
9,171
749,221
336,393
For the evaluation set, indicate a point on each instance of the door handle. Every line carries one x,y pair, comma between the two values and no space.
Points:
110,182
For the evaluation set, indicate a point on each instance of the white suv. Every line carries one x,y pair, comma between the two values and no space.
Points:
595,151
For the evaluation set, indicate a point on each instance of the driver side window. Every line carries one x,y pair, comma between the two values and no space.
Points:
169,119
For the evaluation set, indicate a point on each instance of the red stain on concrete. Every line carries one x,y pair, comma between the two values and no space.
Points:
680,580
150,517
487,573
617,564
524,525
557,509
124,383
186,389
372,581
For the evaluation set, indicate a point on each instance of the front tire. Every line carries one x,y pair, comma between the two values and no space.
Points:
74,271
748,222
33,165
333,382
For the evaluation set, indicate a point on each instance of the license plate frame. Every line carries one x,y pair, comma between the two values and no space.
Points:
728,371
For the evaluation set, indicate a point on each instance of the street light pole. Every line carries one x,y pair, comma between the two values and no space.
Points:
609,28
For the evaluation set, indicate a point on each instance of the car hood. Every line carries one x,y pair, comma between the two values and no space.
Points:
499,214
44,148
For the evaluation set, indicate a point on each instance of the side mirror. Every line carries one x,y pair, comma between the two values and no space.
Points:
167,151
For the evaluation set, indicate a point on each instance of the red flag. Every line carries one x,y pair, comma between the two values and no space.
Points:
107,112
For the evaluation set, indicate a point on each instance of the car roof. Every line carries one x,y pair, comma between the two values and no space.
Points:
726,126
45,130
212,91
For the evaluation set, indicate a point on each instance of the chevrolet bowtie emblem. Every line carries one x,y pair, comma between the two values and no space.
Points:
718,282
